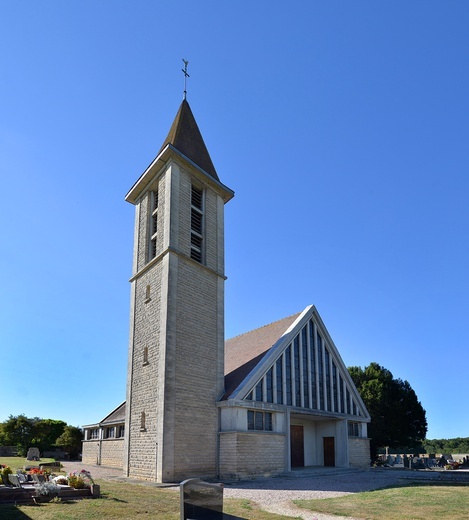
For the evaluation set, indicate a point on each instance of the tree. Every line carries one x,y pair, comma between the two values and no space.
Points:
46,432
398,419
19,431
70,440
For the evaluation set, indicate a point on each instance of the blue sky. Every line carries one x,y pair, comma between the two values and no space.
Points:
341,126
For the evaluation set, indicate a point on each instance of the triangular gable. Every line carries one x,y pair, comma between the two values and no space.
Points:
304,349
117,415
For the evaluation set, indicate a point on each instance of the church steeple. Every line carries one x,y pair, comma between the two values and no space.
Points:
184,140
176,346
185,136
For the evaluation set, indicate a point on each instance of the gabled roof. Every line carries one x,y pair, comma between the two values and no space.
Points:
117,415
244,352
185,136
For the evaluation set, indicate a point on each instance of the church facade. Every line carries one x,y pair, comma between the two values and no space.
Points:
262,403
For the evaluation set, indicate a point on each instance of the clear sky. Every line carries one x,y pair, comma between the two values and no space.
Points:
343,129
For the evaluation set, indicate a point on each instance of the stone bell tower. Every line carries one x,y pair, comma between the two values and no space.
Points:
176,348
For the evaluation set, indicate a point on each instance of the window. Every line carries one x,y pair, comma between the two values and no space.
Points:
288,379
322,405
153,224
259,391
296,364
334,387
353,429
121,430
328,378
145,355
304,349
93,434
143,422
312,354
279,379
197,217
147,294
260,421
269,385
110,433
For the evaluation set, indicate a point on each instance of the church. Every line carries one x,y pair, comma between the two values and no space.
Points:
263,403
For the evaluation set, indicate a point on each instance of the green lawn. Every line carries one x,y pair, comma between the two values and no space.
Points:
124,501
18,462
419,502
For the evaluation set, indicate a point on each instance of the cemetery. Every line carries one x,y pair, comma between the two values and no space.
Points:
195,499
39,481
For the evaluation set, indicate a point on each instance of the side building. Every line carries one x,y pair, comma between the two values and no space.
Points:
103,442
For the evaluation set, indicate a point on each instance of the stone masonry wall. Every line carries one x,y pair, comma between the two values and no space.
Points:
249,454
359,452
112,451
178,320
198,383
90,453
144,385
144,372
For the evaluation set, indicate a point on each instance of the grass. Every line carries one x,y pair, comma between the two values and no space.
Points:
123,501
417,502
18,462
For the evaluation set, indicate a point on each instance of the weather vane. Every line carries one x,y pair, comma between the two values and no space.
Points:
186,75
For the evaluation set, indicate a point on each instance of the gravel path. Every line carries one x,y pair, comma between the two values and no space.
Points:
276,494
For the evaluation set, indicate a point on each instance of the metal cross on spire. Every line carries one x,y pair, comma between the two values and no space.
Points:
186,75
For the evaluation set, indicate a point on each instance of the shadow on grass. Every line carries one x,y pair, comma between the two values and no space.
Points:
11,512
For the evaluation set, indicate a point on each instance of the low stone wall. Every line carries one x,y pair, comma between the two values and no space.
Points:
13,495
8,451
251,454
359,452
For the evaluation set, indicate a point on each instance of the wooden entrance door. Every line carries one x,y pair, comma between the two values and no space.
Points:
297,447
329,451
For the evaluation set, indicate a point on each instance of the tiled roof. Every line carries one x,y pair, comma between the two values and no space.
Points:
244,352
185,136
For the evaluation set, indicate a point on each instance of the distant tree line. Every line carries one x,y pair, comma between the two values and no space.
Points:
447,446
45,434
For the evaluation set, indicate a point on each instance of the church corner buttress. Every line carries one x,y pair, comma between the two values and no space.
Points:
176,347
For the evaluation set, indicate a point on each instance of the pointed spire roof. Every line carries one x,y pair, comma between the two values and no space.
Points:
185,136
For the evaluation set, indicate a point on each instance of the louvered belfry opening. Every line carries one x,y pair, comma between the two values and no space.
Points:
197,217
154,224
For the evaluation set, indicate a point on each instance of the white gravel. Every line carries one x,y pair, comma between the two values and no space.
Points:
276,494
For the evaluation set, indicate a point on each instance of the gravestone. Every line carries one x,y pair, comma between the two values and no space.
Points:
201,500
33,454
